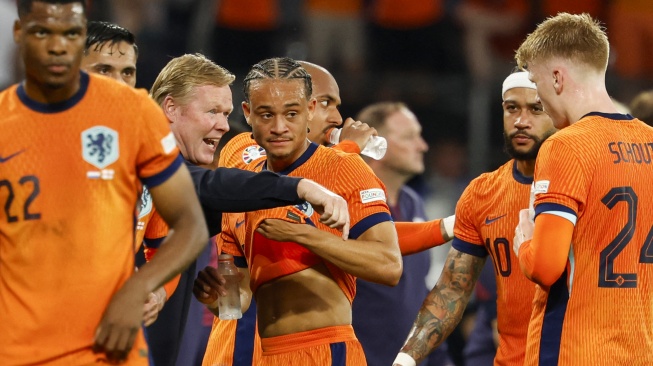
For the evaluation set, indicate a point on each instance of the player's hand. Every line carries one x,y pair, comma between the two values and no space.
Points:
154,304
357,131
209,286
281,230
332,208
523,231
121,322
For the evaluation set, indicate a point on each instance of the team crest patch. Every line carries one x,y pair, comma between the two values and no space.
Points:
100,146
541,186
371,195
145,206
252,153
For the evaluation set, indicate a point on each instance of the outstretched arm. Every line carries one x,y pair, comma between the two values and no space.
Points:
415,237
443,307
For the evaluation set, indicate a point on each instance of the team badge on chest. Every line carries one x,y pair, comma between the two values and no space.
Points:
100,146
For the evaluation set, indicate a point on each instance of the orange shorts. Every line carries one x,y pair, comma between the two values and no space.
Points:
325,346
234,342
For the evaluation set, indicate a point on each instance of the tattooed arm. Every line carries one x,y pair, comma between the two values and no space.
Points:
444,306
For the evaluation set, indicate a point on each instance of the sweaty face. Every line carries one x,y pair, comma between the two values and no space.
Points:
525,124
200,123
406,147
327,95
117,61
278,112
51,39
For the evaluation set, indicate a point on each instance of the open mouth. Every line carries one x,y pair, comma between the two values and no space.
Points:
213,143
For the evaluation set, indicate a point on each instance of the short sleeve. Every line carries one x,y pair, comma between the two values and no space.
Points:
467,237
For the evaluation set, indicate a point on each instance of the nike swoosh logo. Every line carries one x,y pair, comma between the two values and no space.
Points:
4,160
239,223
489,220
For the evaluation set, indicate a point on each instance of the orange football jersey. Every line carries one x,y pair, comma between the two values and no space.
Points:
486,216
69,184
597,174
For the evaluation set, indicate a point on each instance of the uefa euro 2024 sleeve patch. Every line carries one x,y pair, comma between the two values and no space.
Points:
252,153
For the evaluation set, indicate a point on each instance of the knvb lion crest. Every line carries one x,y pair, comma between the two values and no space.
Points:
100,146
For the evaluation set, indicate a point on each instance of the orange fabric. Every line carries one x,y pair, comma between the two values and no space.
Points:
348,146
406,14
415,237
631,31
313,347
553,7
348,177
344,7
222,344
61,267
596,171
249,15
540,262
486,216
240,151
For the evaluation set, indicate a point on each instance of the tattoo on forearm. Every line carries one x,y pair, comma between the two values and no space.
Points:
444,306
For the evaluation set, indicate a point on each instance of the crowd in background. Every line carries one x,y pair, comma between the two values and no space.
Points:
445,59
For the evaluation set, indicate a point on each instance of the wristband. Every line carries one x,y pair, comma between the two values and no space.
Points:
404,359
448,225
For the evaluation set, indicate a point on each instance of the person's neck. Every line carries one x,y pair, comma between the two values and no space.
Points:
45,94
526,167
592,98
393,183
277,165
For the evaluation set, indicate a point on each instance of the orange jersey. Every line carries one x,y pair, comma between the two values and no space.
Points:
69,184
344,174
150,224
597,174
486,216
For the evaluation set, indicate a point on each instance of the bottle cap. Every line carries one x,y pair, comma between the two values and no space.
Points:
225,257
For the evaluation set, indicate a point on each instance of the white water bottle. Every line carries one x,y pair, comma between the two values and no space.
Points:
375,147
229,306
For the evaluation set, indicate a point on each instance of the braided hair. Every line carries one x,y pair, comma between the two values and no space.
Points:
278,68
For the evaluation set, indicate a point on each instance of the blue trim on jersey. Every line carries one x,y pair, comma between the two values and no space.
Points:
244,342
153,243
469,248
163,176
54,107
302,159
614,116
519,177
546,207
240,262
338,354
366,223
554,316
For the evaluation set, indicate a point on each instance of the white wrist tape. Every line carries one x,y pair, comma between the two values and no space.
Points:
448,225
404,359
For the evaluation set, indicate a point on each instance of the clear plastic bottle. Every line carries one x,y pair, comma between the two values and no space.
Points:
229,306
375,147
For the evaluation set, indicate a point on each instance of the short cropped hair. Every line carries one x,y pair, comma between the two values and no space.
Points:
376,114
575,37
25,6
182,74
641,107
100,33
278,68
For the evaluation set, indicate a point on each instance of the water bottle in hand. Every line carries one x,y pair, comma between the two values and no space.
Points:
229,306
375,147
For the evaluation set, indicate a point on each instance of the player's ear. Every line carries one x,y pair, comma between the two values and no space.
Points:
246,112
17,31
558,79
311,108
170,108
